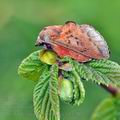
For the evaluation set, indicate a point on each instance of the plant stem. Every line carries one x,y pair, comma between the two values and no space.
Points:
111,89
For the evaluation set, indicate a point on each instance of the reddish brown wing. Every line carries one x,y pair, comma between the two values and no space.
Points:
82,43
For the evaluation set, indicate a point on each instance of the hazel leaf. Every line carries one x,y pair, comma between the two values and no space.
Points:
79,90
53,91
45,96
99,71
31,67
41,98
108,68
88,73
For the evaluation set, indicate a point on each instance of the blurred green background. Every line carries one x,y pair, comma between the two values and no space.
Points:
20,23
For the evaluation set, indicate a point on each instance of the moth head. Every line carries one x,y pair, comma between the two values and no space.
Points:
48,34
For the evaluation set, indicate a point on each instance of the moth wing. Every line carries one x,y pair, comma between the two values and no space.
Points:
84,40
97,39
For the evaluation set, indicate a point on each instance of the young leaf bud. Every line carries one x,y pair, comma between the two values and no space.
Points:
66,90
48,57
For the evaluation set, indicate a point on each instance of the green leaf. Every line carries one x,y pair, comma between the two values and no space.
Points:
99,71
79,91
76,78
31,67
109,109
45,96
108,68
41,97
54,98
87,72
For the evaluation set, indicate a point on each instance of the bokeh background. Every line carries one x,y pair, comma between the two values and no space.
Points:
20,23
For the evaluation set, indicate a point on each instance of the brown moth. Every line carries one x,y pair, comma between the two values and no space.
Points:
80,42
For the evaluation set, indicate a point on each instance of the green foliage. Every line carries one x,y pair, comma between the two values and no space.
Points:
45,96
53,92
88,73
31,67
79,91
109,109
41,97
66,90
108,68
98,71
73,75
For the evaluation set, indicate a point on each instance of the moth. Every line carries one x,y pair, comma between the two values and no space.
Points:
80,42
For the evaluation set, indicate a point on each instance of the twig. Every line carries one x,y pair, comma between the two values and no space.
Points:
111,89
